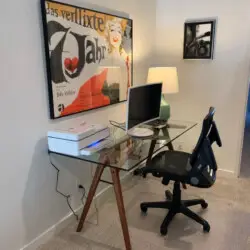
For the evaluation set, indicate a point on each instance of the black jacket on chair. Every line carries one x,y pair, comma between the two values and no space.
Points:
197,169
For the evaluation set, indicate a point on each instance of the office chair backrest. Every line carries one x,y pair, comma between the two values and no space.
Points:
202,164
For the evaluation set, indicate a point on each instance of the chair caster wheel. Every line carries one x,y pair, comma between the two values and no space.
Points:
204,205
206,227
144,209
164,231
137,172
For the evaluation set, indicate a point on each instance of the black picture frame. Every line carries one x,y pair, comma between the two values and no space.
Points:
199,46
48,61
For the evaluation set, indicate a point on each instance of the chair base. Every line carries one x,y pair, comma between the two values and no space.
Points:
175,205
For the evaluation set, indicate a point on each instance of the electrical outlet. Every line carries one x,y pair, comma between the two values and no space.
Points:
78,185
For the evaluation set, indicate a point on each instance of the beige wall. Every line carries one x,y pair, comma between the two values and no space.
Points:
222,82
29,204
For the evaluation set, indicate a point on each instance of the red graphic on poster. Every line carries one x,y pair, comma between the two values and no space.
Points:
90,95
71,64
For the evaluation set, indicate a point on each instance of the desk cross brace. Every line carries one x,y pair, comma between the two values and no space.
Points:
107,182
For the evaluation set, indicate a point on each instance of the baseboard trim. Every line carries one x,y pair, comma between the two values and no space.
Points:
50,232
43,238
227,172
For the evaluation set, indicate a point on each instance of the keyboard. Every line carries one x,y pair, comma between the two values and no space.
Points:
160,123
157,123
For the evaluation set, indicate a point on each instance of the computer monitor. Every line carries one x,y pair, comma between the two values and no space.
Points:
143,104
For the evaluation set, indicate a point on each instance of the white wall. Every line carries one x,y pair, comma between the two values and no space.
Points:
29,204
221,82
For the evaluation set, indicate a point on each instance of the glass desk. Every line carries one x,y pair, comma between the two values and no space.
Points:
124,153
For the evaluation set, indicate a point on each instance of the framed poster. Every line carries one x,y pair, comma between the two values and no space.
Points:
199,40
89,56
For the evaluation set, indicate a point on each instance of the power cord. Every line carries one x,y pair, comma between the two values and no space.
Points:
66,196
117,124
83,193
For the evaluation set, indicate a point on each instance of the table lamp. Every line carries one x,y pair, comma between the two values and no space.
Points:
169,79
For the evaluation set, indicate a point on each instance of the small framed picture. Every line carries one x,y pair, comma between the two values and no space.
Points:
199,40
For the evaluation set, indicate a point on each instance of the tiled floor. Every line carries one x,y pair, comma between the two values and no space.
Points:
228,214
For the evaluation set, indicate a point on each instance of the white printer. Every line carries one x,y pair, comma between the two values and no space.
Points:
72,140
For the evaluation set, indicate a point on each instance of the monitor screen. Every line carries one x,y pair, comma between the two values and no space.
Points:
143,104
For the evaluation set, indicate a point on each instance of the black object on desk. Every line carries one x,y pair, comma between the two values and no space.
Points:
160,130
197,169
143,104
124,154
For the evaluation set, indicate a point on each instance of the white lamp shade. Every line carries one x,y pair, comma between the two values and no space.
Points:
167,75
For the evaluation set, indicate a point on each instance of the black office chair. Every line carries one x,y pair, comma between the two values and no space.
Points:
197,169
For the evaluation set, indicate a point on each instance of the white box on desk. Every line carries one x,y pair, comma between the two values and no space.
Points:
70,141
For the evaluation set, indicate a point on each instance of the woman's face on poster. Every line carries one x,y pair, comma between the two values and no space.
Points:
115,35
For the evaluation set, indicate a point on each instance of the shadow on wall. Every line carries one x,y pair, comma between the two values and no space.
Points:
38,201
42,207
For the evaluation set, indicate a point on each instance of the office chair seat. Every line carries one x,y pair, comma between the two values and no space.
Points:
175,166
172,165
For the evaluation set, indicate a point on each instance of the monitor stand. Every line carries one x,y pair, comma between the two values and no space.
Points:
141,132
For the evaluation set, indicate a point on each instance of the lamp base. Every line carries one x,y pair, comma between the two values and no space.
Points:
165,109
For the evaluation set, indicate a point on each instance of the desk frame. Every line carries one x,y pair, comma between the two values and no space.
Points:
119,199
117,188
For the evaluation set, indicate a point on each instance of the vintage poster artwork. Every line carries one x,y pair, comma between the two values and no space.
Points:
89,58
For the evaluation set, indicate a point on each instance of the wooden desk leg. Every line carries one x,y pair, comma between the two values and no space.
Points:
91,194
139,171
151,151
120,205
169,145
152,147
